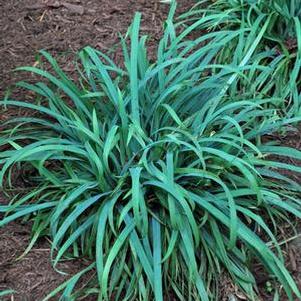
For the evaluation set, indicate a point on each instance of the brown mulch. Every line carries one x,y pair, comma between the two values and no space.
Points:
62,28
31,276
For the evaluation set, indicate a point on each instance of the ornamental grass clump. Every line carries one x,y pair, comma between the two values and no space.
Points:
155,172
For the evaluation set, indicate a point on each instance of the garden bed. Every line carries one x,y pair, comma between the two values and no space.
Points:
62,28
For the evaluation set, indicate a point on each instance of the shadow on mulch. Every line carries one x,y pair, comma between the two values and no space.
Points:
289,235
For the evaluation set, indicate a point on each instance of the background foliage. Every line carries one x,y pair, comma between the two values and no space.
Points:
282,39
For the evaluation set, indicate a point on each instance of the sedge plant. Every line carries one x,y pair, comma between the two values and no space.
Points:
154,171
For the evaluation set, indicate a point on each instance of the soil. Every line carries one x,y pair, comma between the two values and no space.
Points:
63,28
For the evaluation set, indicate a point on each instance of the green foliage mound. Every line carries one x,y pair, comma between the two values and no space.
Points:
155,171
